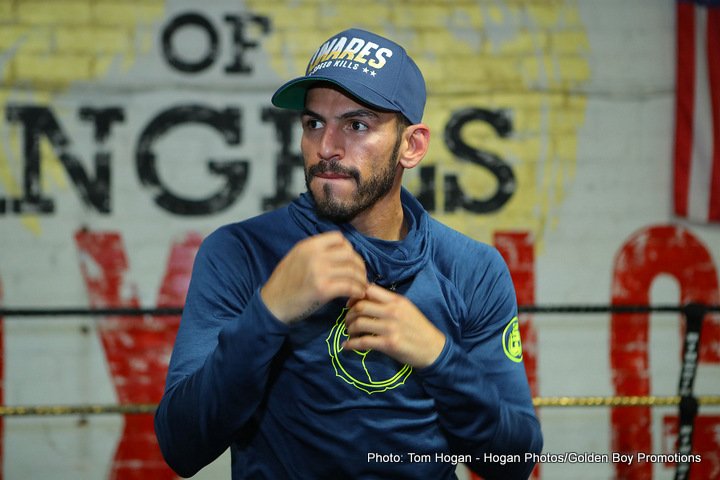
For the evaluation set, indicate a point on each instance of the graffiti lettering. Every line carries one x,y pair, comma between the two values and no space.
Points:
227,123
455,196
39,121
653,251
285,160
177,61
137,348
240,42
518,250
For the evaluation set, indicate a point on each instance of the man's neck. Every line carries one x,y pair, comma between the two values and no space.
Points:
384,220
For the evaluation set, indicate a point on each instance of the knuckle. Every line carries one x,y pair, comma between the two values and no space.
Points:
348,287
305,242
345,256
321,285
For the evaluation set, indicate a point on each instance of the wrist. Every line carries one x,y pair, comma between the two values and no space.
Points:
438,358
435,351
285,311
267,299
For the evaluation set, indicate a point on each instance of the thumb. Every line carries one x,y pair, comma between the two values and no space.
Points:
352,301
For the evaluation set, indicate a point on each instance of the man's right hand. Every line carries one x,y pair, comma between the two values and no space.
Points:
315,271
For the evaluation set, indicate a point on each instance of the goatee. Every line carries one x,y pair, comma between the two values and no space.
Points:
367,193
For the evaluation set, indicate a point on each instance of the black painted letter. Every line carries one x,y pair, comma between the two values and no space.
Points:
175,60
454,195
227,123
39,121
285,160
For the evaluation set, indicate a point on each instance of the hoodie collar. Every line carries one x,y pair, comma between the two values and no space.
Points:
388,262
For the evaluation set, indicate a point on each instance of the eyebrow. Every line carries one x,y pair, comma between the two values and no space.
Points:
360,112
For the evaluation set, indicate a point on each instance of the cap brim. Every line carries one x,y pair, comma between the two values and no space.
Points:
292,94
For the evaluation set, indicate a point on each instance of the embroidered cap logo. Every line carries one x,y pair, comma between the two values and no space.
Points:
370,68
339,52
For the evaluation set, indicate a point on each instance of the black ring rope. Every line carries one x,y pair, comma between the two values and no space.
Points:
694,314
523,309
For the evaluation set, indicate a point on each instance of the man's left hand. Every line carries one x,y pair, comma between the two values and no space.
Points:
390,323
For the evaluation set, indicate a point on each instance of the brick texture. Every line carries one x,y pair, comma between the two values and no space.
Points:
53,43
523,56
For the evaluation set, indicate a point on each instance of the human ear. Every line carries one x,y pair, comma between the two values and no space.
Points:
416,142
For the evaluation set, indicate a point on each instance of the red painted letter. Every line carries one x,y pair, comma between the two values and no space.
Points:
518,250
656,250
137,348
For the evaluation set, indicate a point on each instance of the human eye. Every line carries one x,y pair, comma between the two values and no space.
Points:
358,126
312,123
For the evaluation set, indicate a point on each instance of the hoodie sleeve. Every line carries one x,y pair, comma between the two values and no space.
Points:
480,386
222,356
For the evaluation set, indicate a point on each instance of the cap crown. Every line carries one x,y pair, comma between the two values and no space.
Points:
371,68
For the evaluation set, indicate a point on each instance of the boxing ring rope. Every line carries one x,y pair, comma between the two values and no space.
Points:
689,310
522,309
149,408
688,404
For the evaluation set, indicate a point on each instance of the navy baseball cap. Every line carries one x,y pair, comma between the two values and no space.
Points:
372,69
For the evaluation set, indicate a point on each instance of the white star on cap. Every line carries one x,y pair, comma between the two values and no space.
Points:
365,70
372,74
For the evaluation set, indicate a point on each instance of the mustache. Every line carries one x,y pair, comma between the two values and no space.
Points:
333,166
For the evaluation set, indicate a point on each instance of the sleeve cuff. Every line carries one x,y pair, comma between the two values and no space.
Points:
272,323
440,361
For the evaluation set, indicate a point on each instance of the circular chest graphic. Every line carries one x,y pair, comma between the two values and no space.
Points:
371,372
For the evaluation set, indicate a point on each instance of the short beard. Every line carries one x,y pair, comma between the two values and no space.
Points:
368,192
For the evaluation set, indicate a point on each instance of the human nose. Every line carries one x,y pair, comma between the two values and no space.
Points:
331,144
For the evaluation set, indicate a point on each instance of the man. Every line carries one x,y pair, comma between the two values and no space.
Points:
349,335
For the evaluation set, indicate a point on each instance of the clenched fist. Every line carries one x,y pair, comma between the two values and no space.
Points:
390,323
315,271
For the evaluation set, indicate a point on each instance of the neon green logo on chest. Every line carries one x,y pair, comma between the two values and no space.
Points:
356,367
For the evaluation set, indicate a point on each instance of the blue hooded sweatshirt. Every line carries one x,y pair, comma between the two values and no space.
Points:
291,404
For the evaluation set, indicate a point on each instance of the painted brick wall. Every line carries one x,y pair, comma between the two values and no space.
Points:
529,58
569,104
